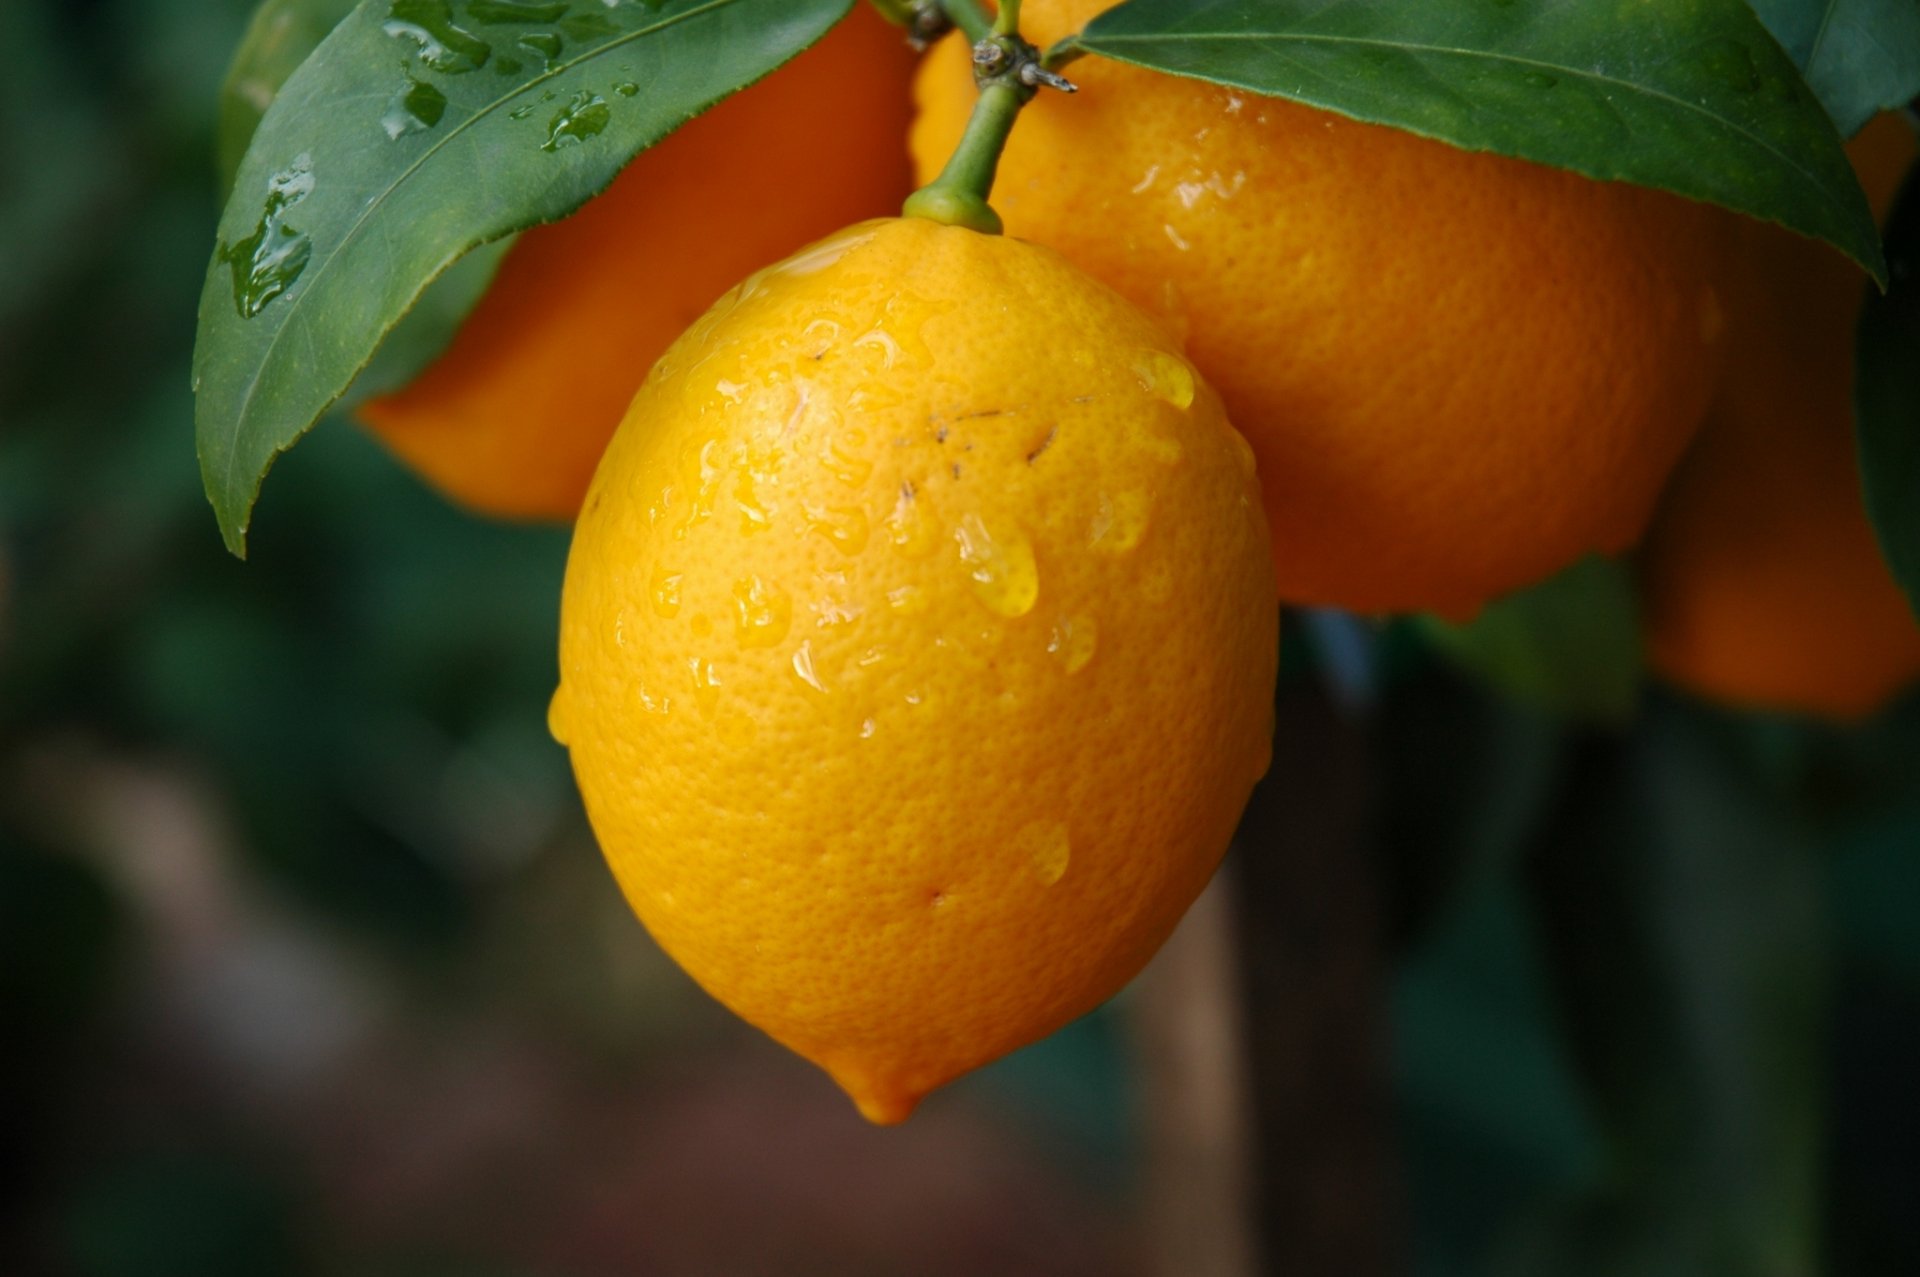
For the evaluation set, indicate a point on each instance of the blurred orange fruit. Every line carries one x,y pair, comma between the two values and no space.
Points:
1460,372
917,650
1762,580
512,418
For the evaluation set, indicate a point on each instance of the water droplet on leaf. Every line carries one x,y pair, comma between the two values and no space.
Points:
266,263
439,43
416,107
584,116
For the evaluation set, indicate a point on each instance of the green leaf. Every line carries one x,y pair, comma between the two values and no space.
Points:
1571,645
281,35
1859,56
418,130
1690,96
1886,396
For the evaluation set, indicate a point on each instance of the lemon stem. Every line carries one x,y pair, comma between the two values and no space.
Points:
958,197
970,18
1009,73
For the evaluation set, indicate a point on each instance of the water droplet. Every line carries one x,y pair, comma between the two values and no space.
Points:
907,600
1166,377
764,612
845,526
1178,241
1073,642
495,12
846,459
1540,79
620,628
585,115
546,45
626,88
706,683
560,715
820,335
415,108
439,43
522,112
882,343
1048,848
912,525
666,593
266,263
1005,577
867,728
1120,520
660,706
754,515
803,667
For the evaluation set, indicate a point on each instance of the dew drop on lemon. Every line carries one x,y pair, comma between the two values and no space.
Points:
1119,520
845,526
1048,849
1165,377
803,667
665,593
706,683
1073,642
1005,576
762,612
912,526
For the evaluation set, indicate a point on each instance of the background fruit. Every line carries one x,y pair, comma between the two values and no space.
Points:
511,420
1460,372
1763,583
917,650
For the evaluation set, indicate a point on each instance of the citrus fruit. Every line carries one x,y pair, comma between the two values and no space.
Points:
1763,585
1460,371
917,650
511,418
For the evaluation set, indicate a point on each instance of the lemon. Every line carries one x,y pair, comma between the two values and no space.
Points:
917,650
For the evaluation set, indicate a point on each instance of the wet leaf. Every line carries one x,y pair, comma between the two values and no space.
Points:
418,130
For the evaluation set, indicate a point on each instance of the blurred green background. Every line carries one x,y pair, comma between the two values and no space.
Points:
308,964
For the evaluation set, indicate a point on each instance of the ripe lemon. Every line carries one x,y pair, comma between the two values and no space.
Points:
1762,581
511,419
917,650
1460,372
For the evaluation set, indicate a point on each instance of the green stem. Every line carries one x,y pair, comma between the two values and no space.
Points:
1008,23
970,17
958,197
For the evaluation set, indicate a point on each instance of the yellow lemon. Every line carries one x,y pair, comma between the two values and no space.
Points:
917,650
